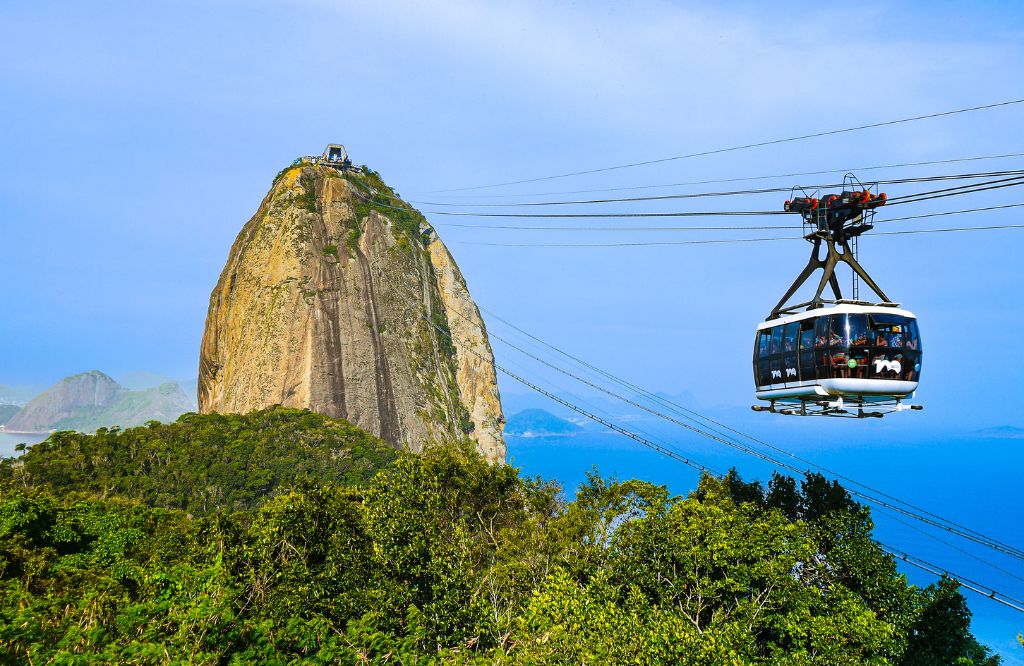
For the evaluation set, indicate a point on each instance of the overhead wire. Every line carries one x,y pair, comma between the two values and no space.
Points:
728,241
729,193
655,446
757,144
920,196
716,228
963,551
914,197
936,570
591,408
739,179
958,190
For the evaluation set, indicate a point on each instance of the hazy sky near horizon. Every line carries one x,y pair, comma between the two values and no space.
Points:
139,137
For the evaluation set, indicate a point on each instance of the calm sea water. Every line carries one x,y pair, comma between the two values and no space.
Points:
973,481
10,440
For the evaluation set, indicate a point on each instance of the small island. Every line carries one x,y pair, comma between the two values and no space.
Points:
539,423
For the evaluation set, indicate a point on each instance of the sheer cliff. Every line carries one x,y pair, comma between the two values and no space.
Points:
339,297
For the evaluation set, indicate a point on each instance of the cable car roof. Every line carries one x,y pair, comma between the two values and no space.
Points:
839,308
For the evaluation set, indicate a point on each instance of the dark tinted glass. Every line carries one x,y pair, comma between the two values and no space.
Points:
837,363
807,334
913,339
911,365
860,355
821,332
777,340
789,337
807,370
858,327
838,335
887,330
764,340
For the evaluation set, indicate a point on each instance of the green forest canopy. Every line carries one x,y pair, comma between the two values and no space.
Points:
285,537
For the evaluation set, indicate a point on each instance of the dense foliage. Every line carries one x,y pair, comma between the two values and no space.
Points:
204,462
442,557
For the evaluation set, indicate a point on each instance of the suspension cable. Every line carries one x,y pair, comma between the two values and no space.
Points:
909,198
936,570
728,241
718,181
718,228
700,467
758,144
728,193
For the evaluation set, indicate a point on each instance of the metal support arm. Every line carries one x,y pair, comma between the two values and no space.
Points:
828,276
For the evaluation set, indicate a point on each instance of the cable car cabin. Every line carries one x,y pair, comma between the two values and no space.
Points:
835,356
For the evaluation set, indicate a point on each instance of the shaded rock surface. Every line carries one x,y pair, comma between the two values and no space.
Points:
339,297
92,400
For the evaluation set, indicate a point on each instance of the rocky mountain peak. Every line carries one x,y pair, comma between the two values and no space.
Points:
339,297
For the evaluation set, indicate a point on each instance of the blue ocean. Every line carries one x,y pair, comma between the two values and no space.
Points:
9,440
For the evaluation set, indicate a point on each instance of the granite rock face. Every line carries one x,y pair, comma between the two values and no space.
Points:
339,297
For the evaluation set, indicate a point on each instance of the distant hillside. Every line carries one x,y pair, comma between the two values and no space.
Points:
206,462
92,400
141,380
1002,432
538,423
7,411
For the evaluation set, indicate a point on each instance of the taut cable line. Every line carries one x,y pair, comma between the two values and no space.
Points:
914,197
746,146
729,193
718,228
716,181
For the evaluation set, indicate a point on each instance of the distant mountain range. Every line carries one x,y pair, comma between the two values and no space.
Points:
18,395
1002,432
539,423
92,400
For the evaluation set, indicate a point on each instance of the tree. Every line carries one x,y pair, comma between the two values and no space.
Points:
941,634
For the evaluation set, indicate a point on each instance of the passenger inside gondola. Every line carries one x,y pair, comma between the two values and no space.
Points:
858,326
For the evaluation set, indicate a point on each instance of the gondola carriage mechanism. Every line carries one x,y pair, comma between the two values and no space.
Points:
840,356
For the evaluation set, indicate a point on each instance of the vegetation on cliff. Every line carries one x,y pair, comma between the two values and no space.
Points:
439,557
204,462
